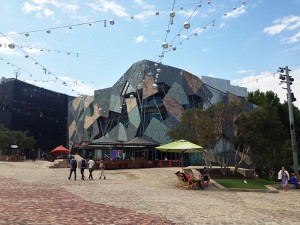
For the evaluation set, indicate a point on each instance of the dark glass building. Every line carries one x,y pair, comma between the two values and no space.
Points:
25,107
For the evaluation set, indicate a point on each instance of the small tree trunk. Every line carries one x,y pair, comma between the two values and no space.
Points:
245,151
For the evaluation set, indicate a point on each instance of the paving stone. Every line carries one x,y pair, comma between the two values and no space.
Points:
31,193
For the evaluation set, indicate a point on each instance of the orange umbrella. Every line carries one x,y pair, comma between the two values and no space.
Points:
60,149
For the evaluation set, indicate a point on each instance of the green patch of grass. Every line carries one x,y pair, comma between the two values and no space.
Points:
239,183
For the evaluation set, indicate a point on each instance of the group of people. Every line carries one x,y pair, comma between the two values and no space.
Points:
84,164
202,181
284,176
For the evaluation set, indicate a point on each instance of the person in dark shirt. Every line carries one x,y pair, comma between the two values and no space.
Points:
82,167
294,180
73,167
205,176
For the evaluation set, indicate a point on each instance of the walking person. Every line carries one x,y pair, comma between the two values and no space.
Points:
91,165
284,176
33,154
73,167
82,167
102,167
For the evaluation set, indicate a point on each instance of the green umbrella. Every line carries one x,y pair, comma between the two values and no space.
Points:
180,146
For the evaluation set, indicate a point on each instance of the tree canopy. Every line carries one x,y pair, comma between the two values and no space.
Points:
263,133
9,137
262,130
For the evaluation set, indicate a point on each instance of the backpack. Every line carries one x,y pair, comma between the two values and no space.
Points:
83,163
74,164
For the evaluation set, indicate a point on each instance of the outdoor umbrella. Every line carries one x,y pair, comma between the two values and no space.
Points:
181,146
61,150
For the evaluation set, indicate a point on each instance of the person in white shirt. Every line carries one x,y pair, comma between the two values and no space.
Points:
91,165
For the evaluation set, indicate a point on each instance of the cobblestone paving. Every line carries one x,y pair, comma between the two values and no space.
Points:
31,203
31,193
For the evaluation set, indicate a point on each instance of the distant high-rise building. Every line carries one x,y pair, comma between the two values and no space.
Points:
25,107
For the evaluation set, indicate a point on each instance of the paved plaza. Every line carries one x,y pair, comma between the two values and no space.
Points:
31,193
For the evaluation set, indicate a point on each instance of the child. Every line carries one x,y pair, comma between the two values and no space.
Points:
294,180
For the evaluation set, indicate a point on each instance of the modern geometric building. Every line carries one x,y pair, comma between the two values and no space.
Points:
148,100
25,107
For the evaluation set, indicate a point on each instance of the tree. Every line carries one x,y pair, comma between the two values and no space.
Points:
282,109
195,126
261,98
262,130
223,116
270,98
208,127
8,137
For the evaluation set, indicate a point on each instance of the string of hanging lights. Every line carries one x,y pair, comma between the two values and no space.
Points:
70,53
186,25
48,31
264,76
12,45
257,79
14,65
111,22
36,81
168,47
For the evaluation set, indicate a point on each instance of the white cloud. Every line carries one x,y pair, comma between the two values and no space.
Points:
28,8
293,39
144,15
143,4
242,71
198,30
77,86
184,36
109,6
267,81
288,25
235,13
34,48
48,12
140,39
187,13
66,85
41,8
276,29
4,48
39,2
67,7
222,25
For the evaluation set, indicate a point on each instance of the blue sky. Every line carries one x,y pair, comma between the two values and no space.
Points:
71,47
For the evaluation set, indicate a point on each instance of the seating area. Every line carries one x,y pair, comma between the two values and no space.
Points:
187,180
127,163
59,163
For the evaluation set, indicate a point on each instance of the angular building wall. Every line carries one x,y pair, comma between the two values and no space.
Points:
147,101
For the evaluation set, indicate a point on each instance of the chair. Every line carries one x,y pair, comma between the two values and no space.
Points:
197,179
190,172
185,182
180,181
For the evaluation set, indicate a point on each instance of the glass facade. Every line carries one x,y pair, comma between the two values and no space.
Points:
42,112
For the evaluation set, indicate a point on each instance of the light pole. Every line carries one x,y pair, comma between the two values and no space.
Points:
290,97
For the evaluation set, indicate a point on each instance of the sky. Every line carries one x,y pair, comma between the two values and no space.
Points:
75,47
